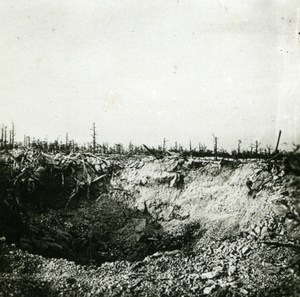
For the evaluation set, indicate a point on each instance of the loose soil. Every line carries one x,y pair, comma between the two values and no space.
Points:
169,227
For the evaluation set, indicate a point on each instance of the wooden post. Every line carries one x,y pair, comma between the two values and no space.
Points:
278,140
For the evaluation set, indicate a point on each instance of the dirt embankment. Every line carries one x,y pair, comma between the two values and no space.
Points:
217,197
189,227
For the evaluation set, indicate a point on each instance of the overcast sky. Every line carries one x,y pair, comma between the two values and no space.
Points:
145,70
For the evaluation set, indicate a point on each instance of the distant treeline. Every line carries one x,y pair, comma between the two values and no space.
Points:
7,141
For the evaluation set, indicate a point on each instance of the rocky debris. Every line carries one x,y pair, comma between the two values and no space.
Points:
226,268
211,274
203,237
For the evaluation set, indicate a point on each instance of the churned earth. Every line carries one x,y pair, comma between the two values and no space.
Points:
169,227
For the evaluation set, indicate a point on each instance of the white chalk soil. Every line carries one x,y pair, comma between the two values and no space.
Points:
240,241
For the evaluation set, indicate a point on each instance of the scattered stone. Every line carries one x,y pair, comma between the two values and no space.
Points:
211,274
280,209
245,250
244,291
264,232
208,290
232,270
257,230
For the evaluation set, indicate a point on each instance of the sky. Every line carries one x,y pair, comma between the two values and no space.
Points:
147,70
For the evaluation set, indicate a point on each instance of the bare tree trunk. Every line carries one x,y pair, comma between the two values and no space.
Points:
215,147
2,136
239,146
67,139
5,136
13,134
10,138
164,144
256,147
94,137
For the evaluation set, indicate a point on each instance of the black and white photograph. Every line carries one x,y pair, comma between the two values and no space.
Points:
149,148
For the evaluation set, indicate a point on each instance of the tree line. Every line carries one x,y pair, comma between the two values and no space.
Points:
255,150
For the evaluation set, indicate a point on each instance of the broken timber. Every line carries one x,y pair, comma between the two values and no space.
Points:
152,152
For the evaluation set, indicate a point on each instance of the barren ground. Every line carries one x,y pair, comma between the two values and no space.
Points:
145,227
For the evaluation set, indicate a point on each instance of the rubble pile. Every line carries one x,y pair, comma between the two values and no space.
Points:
231,269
